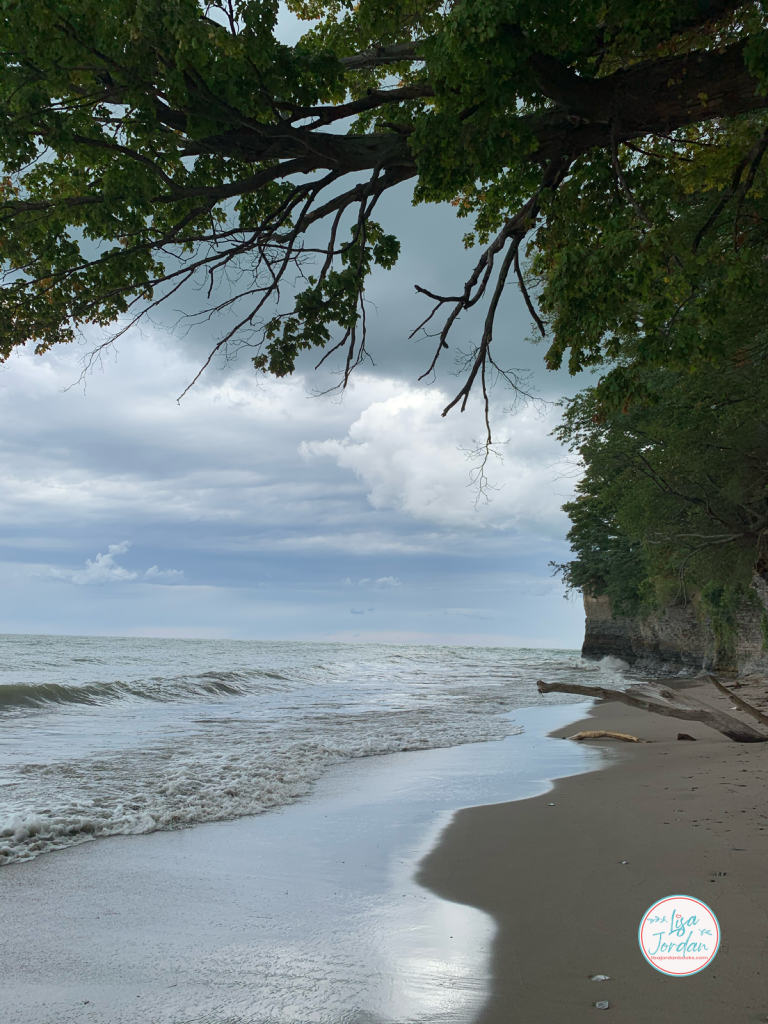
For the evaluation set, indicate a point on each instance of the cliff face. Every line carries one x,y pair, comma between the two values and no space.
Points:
671,641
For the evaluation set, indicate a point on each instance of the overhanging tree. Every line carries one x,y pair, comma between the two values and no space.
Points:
674,497
147,144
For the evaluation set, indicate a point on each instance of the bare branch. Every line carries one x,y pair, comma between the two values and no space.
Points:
513,231
482,352
526,296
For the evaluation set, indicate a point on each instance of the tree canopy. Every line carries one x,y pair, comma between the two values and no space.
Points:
607,157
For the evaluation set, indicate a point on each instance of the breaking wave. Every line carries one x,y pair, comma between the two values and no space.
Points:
163,690
219,776
163,741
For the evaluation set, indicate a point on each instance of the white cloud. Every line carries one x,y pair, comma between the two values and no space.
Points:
154,574
103,568
125,449
239,453
414,461
223,487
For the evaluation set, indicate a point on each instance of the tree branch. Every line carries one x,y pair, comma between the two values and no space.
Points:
650,98
750,710
379,56
663,701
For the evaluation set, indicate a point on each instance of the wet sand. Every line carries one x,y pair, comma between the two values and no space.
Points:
566,907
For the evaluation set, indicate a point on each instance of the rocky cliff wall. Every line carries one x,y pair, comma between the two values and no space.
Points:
671,641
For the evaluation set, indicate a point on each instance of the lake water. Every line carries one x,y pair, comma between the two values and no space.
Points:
105,736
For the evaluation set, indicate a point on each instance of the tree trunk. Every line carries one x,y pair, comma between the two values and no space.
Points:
663,701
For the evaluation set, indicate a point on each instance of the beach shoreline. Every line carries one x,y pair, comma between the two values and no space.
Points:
533,894
687,818
309,913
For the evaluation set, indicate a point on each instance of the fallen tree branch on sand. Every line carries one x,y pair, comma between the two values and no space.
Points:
663,701
605,734
738,700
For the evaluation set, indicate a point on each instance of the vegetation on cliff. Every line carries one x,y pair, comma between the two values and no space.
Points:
674,499
673,503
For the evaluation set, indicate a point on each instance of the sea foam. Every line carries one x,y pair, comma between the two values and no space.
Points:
106,737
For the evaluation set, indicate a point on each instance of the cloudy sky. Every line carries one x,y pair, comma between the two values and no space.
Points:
256,509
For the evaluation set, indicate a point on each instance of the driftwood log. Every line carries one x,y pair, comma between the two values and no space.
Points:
661,700
755,712
605,734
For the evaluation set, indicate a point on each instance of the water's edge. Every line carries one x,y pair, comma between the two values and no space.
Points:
104,737
310,912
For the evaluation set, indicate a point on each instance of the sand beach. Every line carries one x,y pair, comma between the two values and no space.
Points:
688,818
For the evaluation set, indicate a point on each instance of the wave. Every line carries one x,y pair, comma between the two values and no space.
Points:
177,744
158,689
221,776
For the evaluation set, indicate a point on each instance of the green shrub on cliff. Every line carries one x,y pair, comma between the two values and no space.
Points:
674,499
